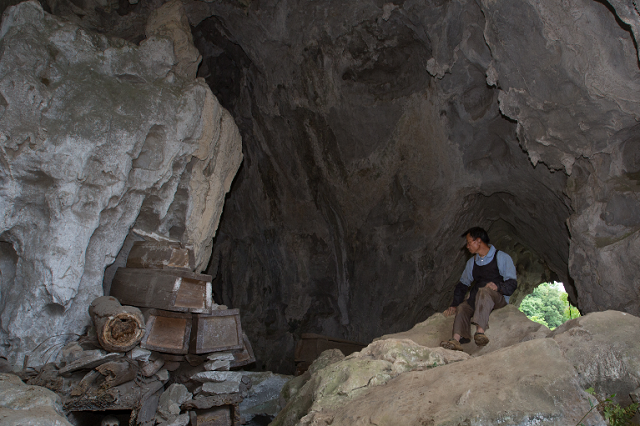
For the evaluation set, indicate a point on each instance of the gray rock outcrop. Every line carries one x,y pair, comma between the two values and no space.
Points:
96,135
581,118
22,404
379,132
525,375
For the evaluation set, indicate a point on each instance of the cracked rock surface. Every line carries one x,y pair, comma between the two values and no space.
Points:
525,375
96,134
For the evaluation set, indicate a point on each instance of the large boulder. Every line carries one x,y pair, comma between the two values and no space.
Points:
527,383
96,134
338,383
528,376
507,326
604,349
22,405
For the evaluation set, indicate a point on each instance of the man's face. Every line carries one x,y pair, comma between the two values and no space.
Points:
473,245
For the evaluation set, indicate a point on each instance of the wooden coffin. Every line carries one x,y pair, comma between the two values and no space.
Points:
170,290
218,416
218,331
310,346
244,356
167,332
161,255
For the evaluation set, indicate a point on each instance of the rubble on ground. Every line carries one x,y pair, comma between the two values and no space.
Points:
179,358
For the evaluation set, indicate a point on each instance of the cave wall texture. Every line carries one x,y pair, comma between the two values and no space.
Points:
98,135
375,133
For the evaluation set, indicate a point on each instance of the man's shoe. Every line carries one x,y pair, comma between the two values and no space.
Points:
452,344
481,339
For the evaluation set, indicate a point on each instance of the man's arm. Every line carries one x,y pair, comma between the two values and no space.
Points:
508,271
458,294
461,288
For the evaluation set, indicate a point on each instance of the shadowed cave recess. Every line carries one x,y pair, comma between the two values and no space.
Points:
374,133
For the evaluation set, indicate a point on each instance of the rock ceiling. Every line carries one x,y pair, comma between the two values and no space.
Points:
375,133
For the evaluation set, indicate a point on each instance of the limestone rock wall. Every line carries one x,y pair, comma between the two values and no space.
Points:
96,135
372,141
571,81
376,133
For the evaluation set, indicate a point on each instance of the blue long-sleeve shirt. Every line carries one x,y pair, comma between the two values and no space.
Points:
505,266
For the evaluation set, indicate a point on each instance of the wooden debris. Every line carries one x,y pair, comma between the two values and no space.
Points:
88,362
161,255
150,368
212,401
218,416
118,372
83,386
171,290
245,356
167,332
148,407
126,396
194,360
48,377
173,357
118,328
218,331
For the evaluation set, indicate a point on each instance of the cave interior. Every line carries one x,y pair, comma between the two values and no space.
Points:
374,133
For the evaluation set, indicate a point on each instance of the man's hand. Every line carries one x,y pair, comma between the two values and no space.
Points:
450,311
492,286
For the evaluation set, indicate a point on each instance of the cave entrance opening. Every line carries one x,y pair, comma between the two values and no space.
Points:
549,305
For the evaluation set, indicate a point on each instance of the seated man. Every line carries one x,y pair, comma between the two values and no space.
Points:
494,276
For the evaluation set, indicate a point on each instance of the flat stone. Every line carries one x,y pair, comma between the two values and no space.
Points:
220,356
152,367
181,420
530,380
171,400
263,397
139,354
217,376
71,352
217,365
163,375
218,388
171,365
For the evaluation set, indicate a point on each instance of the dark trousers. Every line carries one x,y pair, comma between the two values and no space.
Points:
486,301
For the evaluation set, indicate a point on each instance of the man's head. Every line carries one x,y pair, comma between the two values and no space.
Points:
477,240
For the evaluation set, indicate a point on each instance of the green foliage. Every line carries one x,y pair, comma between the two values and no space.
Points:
617,415
548,305
614,414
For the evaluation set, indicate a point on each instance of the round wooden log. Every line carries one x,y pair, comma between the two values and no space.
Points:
119,328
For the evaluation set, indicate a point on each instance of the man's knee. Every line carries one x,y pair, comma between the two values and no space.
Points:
484,292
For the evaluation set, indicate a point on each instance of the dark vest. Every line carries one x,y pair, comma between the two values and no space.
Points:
482,275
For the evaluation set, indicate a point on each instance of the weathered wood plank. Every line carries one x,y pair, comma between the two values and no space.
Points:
167,332
170,290
161,255
218,416
218,331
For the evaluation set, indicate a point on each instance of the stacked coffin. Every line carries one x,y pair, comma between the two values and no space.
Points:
177,303
182,321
